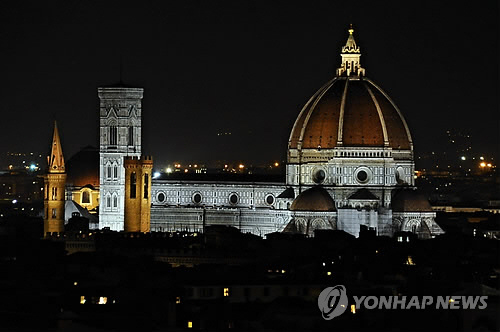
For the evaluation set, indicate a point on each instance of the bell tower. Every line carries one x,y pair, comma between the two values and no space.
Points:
138,193
54,186
120,136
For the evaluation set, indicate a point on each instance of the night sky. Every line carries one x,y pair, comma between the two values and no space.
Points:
240,67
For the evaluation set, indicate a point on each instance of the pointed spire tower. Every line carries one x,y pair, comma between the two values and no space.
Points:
56,158
54,188
351,55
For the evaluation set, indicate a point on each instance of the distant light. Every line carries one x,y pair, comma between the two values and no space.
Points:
276,164
241,166
353,308
169,170
195,165
75,283
328,273
226,291
225,166
82,300
488,164
186,170
463,158
409,261
156,175
14,201
482,158
32,167
178,300
190,324
103,300
483,164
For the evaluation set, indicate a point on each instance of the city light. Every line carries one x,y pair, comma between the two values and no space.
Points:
103,300
168,170
276,164
463,158
241,166
409,261
156,175
483,164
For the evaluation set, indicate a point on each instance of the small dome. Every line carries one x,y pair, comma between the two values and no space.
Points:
83,168
314,199
408,200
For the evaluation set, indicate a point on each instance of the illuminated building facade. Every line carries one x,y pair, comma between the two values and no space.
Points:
120,136
350,164
350,161
352,140
138,194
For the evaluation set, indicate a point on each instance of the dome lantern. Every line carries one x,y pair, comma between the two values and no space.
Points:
351,55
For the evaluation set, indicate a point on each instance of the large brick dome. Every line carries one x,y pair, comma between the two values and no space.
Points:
350,111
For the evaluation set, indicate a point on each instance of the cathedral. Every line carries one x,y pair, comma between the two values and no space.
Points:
350,165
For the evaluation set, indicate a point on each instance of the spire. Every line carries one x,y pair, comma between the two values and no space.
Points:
350,58
350,46
56,158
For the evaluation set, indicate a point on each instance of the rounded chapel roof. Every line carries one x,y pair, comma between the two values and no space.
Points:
409,200
313,199
83,168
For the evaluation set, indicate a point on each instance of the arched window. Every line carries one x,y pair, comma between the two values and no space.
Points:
108,201
85,197
109,172
133,185
115,201
115,171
